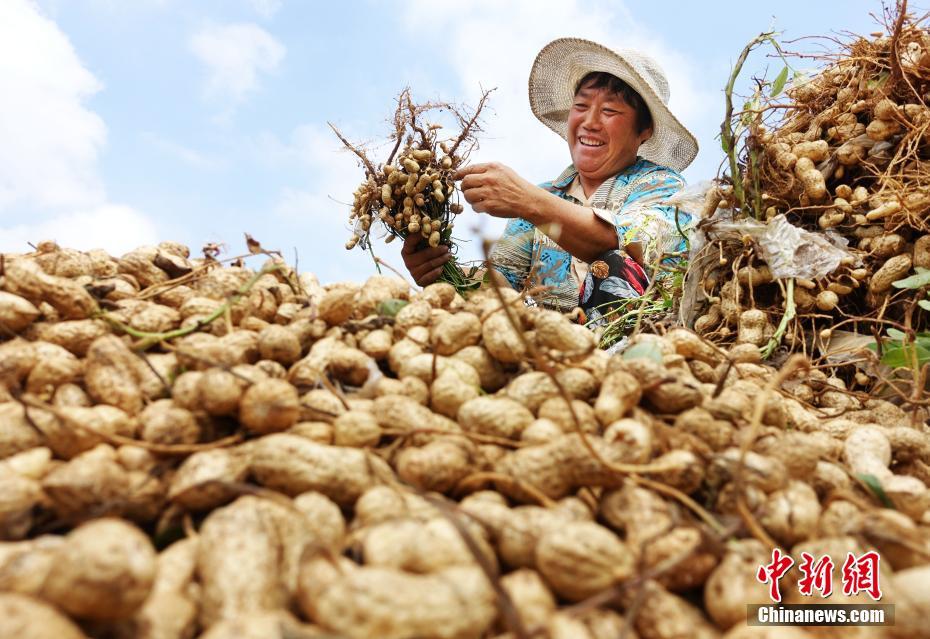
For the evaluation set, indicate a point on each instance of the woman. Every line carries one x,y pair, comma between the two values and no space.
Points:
588,237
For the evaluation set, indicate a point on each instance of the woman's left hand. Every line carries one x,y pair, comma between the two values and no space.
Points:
497,190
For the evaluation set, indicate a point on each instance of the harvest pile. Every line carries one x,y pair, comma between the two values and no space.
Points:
843,154
196,450
411,192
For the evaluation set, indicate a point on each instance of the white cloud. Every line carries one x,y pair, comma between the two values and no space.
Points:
121,6
313,209
187,155
49,141
302,147
265,8
115,228
50,186
315,213
333,174
512,134
235,56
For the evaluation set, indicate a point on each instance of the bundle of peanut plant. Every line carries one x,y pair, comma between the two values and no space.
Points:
412,191
843,154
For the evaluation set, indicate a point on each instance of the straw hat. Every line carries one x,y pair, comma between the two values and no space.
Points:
562,64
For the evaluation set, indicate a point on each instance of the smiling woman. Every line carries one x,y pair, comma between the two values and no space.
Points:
591,236
607,124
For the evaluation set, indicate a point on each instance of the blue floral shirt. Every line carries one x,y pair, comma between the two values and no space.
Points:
632,201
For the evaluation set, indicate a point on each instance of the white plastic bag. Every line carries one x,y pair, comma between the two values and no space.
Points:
788,250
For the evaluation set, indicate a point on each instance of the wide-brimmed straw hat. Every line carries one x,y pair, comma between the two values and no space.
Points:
562,64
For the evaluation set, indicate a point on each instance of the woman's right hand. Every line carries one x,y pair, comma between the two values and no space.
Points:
424,264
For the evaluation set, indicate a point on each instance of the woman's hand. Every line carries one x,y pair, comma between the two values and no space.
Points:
497,190
425,265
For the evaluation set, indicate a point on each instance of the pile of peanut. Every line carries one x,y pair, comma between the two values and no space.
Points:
189,449
841,154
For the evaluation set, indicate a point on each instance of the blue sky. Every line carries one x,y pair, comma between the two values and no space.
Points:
127,122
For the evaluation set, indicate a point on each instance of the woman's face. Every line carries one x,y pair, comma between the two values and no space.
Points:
602,137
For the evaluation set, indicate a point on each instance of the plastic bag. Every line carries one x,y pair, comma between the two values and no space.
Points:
788,250
692,198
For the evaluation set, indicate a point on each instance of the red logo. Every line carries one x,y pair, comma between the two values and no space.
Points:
859,574
817,576
772,572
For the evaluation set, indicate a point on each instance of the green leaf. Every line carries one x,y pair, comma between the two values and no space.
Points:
879,80
918,280
894,333
924,304
391,307
901,355
895,357
644,350
899,352
748,114
779,84
871,481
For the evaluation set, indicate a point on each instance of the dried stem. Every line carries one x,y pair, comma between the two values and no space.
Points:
357,151
471,124
505,604
119,440
794,363
147,340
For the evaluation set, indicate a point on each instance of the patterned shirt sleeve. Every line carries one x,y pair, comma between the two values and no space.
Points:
643,218
512,254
